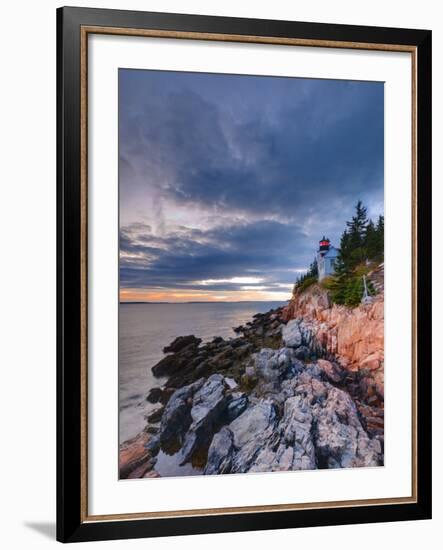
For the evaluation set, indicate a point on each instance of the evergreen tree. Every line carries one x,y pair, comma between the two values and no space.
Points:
353,291
380,237
358,223
371,240
343,258
313,269
357,233
361,240
308,278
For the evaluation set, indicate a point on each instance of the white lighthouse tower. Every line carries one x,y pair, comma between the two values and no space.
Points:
326,258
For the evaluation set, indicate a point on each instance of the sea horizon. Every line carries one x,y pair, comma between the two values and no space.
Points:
209,302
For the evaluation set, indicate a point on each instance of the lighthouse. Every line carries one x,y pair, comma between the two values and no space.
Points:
326,258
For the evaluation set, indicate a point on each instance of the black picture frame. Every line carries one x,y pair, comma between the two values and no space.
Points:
71,524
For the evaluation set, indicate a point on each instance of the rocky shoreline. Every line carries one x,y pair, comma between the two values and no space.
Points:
274,398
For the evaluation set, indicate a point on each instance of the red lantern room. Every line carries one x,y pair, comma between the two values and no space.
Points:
324,244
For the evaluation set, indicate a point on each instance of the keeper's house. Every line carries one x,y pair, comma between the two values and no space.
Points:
326,258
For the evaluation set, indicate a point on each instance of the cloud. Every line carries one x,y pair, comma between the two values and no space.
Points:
327,147
218,259
224,177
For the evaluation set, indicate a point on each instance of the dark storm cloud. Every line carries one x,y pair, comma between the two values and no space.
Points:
280,157
294,153
263,249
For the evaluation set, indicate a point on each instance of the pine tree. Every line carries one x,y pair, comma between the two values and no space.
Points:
380,230
357,232
308,278
361,240
371,242
353,292
342,262
313,269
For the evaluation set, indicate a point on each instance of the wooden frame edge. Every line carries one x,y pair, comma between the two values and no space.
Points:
85,30
73,522
84,273
282,41
226,511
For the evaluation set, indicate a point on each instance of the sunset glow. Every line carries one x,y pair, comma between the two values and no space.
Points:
146,295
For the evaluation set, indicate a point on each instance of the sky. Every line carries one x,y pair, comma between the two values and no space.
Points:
227,182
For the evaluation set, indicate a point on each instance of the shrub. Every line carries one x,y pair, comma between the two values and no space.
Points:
305,283
348,289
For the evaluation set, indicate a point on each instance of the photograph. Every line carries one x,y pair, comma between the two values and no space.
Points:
234,196
251,274
204,205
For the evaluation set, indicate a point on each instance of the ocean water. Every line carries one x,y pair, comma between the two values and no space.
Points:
145,329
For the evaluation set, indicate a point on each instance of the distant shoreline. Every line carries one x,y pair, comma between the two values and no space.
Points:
226,302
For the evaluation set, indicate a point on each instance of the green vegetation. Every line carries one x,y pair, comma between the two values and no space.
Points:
361,240
307,279
361,249
347,290
361,244
306,283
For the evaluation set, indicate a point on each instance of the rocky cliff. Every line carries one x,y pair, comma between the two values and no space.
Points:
352,337
300,387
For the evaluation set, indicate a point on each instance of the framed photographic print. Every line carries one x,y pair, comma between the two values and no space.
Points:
244,274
